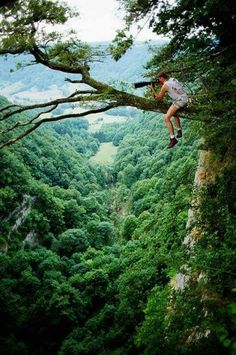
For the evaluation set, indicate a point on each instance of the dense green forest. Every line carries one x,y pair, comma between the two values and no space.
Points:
87,246
134,257
91,250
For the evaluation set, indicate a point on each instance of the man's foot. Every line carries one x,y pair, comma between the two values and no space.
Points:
179,133
173,142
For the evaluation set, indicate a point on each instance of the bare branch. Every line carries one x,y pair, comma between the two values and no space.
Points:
82,92
54,119
74,81
26,123
69,99
8,106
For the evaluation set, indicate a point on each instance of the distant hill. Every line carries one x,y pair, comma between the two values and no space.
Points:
130,67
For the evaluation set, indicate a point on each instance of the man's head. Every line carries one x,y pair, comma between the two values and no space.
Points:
162,77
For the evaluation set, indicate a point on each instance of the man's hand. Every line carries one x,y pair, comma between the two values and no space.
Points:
152,88
154,94
159,96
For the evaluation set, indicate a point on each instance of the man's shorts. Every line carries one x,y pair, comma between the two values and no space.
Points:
180,103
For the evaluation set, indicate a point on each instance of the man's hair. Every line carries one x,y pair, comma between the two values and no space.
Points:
163,75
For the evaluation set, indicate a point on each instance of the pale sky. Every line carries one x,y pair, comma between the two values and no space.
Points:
99,20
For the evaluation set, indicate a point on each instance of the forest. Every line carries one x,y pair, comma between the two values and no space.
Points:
136,256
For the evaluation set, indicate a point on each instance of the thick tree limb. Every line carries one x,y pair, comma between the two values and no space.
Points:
42,58
100,92
125,98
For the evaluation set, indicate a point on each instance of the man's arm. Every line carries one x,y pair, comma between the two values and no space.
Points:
159,96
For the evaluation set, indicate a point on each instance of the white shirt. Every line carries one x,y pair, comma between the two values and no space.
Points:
175,90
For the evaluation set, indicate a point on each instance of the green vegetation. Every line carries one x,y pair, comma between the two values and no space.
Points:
88,267
95,253
106,154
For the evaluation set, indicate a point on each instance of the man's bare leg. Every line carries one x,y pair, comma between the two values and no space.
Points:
177,122
178,126
171,111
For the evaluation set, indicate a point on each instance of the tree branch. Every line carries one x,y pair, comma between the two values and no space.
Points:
69,99
7,107
74,81
26,123
54,119
42,58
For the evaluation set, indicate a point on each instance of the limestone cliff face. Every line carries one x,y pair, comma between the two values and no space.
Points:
21,212
17,218
210,168
203,176
194,227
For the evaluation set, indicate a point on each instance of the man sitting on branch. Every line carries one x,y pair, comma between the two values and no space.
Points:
174,89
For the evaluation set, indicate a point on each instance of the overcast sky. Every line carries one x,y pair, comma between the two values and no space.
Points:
99,20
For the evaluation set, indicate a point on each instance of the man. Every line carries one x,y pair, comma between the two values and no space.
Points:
173,88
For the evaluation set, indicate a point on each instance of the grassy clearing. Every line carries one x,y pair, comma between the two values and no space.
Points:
105,154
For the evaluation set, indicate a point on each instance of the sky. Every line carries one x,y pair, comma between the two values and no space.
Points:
100,19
